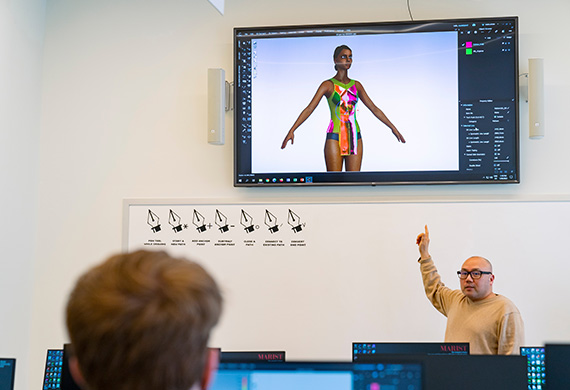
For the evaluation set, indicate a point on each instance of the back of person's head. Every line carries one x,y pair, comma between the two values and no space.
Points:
142,321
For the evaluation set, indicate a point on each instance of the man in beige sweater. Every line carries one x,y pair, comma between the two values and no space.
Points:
490,322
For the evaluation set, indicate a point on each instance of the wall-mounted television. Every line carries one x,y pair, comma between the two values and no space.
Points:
415,102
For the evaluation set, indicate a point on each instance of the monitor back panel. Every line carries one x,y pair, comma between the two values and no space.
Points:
557,359
252,356
465,372
360,349
67,382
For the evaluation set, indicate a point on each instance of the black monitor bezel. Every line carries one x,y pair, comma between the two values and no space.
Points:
388,178
448,371
410,348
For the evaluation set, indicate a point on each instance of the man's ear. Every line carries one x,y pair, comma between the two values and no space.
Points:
210,368
76,372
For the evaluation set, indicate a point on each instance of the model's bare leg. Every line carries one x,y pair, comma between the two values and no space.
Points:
333,159
354,161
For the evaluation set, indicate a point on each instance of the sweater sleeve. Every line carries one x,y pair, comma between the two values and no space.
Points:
439,295
511,334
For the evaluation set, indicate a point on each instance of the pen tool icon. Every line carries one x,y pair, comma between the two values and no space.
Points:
222,222
153,220
247,222
174,221
295,222
199,221
271,222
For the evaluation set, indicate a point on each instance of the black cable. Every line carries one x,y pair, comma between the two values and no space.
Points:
409,10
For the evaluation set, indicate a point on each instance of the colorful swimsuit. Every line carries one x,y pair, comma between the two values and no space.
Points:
343,125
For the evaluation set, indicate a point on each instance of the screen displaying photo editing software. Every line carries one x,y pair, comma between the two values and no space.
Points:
7,373
450,87
53,369
364,349
536,367
318,375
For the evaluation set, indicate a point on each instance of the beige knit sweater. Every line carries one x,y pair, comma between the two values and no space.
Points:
491,326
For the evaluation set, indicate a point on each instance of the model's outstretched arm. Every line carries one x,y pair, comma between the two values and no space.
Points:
378,112
324,90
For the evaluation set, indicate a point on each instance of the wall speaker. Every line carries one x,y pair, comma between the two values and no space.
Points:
216,106
536,98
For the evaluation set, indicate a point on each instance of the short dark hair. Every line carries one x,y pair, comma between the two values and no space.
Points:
142,321
337,51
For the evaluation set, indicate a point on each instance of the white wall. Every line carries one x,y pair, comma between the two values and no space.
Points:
123,116
355,276
21,40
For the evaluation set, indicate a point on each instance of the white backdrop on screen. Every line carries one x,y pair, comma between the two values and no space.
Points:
411,77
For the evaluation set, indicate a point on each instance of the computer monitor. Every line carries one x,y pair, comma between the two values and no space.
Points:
381,348
450,87
318,375
7,373
252,356
465,372
67,382
52,372
557,359
536,365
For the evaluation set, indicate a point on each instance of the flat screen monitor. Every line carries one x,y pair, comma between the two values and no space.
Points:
7,373
318,375
452,372
557,360
53,369
360,349
448,87
536,367
67,382
251,356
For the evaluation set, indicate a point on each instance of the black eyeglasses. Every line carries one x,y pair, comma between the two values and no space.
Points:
475,274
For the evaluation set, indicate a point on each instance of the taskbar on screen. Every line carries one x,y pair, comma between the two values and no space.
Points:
370,178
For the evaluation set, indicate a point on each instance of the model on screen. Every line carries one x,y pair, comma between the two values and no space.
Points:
343,142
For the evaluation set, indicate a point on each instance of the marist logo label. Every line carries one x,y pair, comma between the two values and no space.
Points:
454,348
271,356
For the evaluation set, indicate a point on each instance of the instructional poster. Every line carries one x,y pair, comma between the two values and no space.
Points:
212,226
